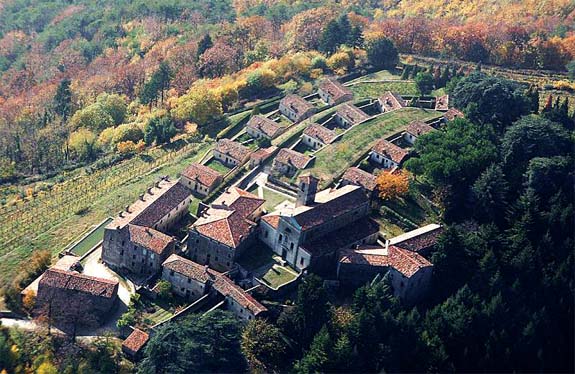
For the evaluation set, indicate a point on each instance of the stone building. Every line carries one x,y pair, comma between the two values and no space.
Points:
200,179
134,344
333,92
421,240
390,101
288,162
442,103
415,129
387,154
231,153
223,231
237,300
317,136
316,216
357,177
188,279
260,127
409,271
296,108
349,115
71,298
134,241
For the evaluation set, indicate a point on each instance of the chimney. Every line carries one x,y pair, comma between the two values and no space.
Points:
386,248
121,213
127,209
158,184
150,190
142,197
307,190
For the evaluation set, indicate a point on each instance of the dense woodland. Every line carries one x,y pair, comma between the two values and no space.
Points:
79,79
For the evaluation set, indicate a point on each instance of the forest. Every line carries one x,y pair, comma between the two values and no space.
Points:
85,79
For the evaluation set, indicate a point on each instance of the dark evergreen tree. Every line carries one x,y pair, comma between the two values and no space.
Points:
63,99
204,44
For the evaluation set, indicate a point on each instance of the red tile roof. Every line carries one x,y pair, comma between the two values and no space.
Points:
233,149
343,238
262,124
298,104
352,114
290,157
228,220
68,280
344,200
333,88
161,199
272,219
136,341
323,134
149,238
190,269
361,178
159,208
200,173
418,128
419,239
442,102
406,262
390,151
263,153
392,101
226,287
452,114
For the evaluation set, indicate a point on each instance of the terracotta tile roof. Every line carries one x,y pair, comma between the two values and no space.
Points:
272,219
419,239
262,124
442,102
392,101
390,151
263,153
226,287
160,207
361,178
329,205
190,269
418,128
298,104
351,113
323,134
334,88
158,202
406,262
202,174
452,114
343,238
228,220
149,238
290,157
68,280
233,149
136,341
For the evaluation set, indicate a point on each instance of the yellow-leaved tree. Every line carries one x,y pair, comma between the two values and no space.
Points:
392,185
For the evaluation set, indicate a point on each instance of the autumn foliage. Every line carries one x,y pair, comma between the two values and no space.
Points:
392,185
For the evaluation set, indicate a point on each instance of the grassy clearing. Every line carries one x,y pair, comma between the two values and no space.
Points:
378,75
90,240
218,166
334,159
372,90
277,276
50,222
272,197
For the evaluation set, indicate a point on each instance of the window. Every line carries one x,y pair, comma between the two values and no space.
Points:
265,233
301,261
133,257
189,280
171,273
182,289
122,253
281,238
123,243
291,246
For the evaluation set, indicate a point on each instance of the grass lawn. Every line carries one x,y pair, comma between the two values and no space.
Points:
278,275
373,90
51,222
378,75
218,166
334,159
91,240
273,198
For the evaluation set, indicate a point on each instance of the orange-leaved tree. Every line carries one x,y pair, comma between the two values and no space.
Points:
392,185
